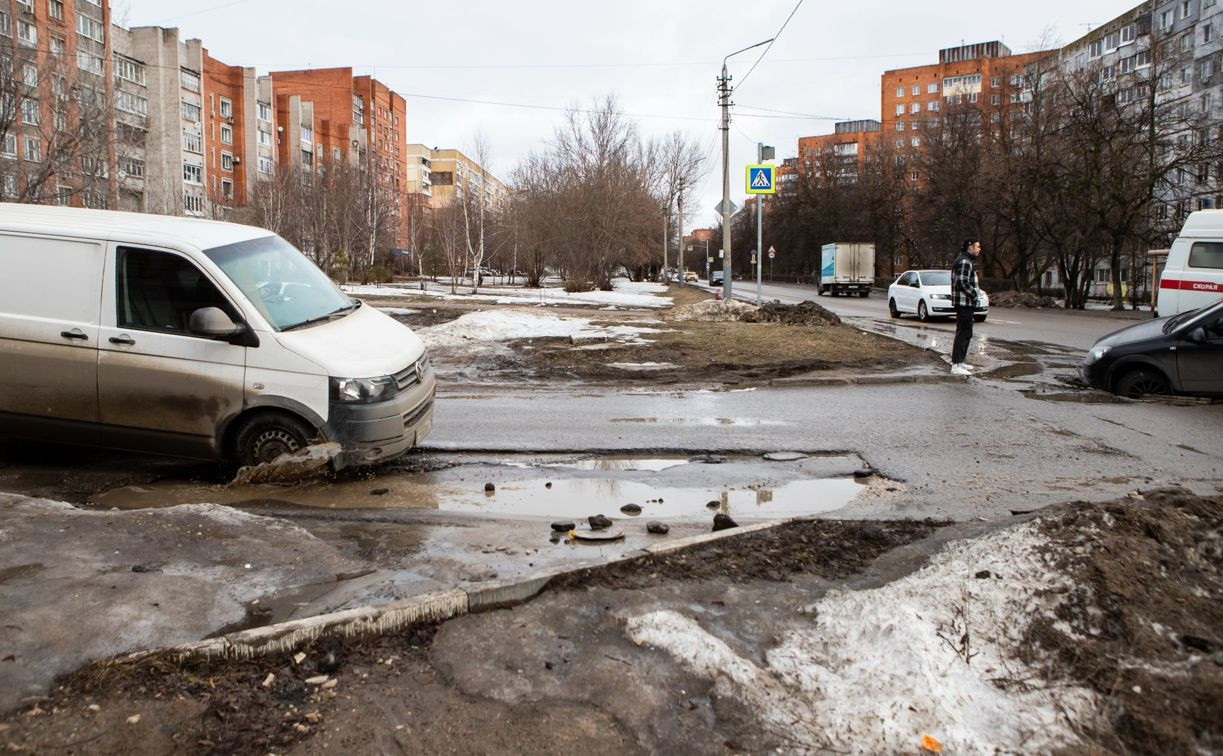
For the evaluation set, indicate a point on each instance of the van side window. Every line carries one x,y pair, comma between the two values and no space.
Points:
158,291
1206,255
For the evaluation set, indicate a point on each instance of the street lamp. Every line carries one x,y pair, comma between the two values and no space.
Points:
724,92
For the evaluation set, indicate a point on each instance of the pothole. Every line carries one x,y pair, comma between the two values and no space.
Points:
691,486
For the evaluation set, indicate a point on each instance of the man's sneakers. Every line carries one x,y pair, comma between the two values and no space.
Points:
960,368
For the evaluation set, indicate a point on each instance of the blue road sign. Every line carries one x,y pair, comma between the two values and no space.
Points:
760,180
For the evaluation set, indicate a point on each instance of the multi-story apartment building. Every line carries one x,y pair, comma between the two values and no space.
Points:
329,114
230,98
452,176
55,79
985,74
843,152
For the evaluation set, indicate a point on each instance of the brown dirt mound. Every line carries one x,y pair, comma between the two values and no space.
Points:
1020,299
803,313
1144,626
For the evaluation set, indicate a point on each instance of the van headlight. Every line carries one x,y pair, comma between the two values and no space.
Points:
363,390
1095,354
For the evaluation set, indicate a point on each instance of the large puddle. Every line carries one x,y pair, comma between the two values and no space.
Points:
664,487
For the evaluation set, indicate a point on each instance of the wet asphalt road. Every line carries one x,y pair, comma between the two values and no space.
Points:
1071,329
962,450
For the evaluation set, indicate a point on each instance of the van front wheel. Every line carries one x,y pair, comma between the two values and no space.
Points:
266,437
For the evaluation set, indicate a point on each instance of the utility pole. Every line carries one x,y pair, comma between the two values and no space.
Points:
679,212
724,92
666,228
763,153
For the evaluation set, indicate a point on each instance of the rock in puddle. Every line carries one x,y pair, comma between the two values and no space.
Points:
563,527
657,528
631,509
723,522
599,522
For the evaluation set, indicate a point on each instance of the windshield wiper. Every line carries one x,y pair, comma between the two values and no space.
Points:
333,314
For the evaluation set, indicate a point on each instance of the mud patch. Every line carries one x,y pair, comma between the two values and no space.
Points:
1079,397
1144,626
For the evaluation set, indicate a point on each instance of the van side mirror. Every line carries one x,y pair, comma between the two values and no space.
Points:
1197,335
212,321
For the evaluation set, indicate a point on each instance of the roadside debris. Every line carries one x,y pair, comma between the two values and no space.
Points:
710,311
1020,299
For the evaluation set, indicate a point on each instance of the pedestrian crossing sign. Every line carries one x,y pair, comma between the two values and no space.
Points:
760,180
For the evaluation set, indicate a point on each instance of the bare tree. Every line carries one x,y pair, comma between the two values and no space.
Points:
680,165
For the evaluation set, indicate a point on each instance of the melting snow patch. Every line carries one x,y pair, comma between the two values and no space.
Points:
398,311
642,365
504,325
930,653
625,294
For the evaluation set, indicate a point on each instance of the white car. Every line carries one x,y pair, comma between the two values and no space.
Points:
927,294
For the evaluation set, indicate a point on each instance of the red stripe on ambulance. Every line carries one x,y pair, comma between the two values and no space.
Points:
1190,285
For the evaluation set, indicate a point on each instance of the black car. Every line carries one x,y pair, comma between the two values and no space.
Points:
715,278
1182,354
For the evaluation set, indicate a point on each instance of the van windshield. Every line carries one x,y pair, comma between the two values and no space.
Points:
284,286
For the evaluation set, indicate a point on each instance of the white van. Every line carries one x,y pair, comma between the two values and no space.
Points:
195,338
1193,275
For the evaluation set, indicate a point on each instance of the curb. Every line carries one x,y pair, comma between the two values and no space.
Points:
395,615
866,380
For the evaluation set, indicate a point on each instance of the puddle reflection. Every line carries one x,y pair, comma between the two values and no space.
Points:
583,497
613,463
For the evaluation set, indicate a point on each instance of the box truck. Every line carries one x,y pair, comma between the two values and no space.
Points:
847,267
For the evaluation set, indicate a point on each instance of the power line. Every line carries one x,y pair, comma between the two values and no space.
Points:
770,47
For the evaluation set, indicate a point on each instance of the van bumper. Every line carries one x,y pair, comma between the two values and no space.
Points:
372,433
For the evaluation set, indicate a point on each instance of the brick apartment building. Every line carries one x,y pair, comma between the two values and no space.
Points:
447,175
329,114
55,63
985,74
843,151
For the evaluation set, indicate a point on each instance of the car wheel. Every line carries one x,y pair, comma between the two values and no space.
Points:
979,318
266,437
892,308
922,313
1143,382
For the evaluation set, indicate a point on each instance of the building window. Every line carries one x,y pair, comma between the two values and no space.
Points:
89,62
227,108
1127,34
932,88
914,107
264,137
916,90
932,106
227,135
358,110
55,9
1142,59
193,205
1185,8
264,111
29,112
227,189
27,35
900,125
900,143
996,81
900,109
191,112
190,80
29,75
129,70
63,195
900,91
308,158
915,142
227,161
192,143
193,174
1095,49
10,185
307,134
1165,20
132,167
8,147
33,149
266,165
1208,33
89,29
131,103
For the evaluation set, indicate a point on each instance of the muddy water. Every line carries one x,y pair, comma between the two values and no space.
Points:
664,487
582,497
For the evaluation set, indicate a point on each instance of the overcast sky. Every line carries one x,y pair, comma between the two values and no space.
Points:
659,58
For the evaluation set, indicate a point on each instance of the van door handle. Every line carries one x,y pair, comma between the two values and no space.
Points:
75,334
126,340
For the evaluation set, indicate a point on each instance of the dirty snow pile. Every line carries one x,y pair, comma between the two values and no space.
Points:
639,294
494,326
930,654
711,310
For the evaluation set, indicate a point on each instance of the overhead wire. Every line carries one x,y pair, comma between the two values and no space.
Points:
770,46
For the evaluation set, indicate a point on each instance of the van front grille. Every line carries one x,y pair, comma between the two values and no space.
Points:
413,417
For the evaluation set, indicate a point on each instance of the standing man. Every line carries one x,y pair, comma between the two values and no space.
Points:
964,297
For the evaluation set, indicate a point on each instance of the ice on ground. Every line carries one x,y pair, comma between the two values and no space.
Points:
504,325
641,294
643,366
877,669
